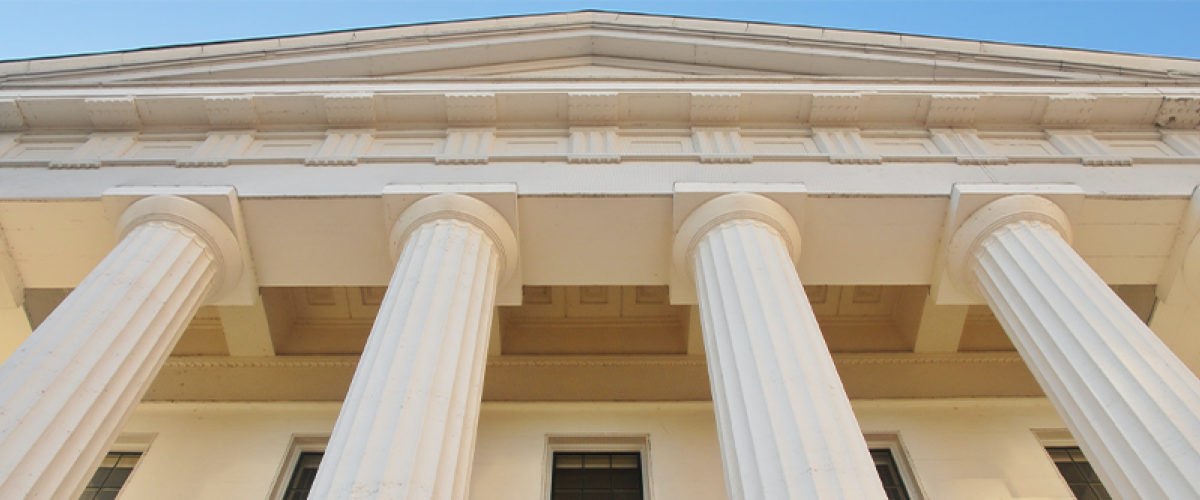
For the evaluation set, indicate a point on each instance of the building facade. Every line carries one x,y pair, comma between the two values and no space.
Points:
600,255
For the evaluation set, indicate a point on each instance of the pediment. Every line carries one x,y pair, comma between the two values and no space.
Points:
588,45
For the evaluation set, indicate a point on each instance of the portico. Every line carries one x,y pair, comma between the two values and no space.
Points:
449,263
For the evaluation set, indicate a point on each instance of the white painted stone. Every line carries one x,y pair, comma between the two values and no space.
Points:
784,421
407,427
14,329
67,391
1129,401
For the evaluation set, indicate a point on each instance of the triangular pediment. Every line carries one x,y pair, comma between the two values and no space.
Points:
594,45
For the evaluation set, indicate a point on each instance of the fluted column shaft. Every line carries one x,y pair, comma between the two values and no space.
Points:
68,390
785,424
407,427
1129,401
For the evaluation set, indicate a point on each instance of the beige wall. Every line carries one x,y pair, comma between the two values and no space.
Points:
958,449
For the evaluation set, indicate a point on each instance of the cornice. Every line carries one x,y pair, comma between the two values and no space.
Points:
949,53
575,105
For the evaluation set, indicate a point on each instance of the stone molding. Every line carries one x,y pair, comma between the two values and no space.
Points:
482,145
218,240
351,109
992,218
599,108
471,108
699,106
952,110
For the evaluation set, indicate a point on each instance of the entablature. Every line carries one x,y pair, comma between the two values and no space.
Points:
346,147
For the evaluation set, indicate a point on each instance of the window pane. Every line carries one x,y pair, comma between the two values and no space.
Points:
624,461
568,461
1071,474
597,476
596,479
889,474
596,462
627,479
108,479
303,476
1078,473
128,460
117,477
568,478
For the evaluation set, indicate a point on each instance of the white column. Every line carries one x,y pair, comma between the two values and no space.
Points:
785,424
68,389
1131,404
407,427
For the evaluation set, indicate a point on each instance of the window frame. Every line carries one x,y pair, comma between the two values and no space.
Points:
892,443
299,444
596,443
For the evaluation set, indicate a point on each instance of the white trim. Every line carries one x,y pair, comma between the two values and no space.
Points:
129,443
892,442
299,444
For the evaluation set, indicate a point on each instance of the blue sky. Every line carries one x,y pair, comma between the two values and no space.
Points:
35,28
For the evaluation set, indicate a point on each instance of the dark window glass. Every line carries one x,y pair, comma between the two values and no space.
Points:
1080,475
597,476
303,476
110,476
889,473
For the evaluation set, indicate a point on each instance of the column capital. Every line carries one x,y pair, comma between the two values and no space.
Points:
212,232
992,218
463,208
726,208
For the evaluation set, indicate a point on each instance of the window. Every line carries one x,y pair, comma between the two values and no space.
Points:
597,476
889,473
590,467
1078,473
891,462
298,469
110,476
303,476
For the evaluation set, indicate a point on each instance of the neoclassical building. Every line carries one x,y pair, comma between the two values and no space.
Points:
600,256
